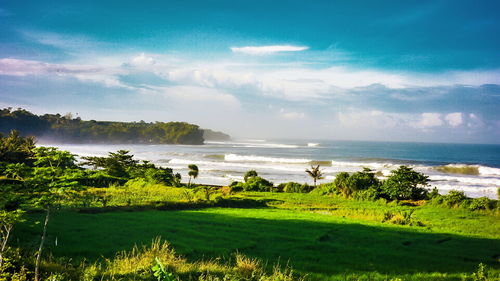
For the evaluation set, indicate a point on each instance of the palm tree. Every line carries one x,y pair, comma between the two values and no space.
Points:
315,173
193,172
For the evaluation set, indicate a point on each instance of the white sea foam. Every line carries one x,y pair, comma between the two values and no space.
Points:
248,144
489,171
255,158
312,144
477,181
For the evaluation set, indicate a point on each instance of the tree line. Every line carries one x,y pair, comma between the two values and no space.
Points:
66,129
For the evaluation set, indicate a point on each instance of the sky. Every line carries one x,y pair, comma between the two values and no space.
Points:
424,71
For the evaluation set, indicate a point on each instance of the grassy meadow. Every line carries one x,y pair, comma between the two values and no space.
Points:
320,237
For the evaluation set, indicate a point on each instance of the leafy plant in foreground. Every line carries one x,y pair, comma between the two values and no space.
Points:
160,273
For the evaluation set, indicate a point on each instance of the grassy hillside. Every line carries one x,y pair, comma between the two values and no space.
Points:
323,237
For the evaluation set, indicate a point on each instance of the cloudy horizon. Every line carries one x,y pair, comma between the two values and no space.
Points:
425,71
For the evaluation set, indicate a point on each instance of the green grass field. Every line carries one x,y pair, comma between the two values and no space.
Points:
323,237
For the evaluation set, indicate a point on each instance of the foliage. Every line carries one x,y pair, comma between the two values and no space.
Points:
481,203
192,173
54,158
350,185
250,174
16,149
7,221
402,218
405,183
253,184
161,273
68,129
116,164
315,173
294,187
119,166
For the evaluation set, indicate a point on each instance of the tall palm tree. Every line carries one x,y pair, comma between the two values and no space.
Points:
193,172
315,173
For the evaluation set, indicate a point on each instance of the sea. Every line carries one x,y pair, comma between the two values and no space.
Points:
222,162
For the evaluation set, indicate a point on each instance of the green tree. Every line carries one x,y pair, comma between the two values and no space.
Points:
315,173
193,172
18,171
46,202
16,149
7,221
54,158
341,183
405,183
117,164
250,174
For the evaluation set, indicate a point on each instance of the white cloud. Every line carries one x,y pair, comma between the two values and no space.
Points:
454,119
291,115
372,119
200,96
429,120
474,121
143,60
266,50
106,76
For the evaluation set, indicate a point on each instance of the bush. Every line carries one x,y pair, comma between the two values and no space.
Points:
349,185
294,187
236,186
326,189
481,203
402,218
405,184
253,184
370,194
454,198
258,184
250,174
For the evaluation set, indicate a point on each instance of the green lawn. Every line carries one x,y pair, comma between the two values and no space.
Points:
321,236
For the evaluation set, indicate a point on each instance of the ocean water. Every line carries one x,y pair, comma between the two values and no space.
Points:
286,160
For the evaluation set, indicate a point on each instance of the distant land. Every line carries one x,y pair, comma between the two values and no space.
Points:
66,129
215,136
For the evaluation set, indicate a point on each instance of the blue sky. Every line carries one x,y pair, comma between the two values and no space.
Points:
369,70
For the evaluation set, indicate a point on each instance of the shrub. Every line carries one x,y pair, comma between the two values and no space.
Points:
250,174
370,194
294,187
236,186
326,188
258,184
454,198
481,203
253,184
405,184
349,185
402,218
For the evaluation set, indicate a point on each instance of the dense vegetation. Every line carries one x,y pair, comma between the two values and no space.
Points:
354,228
215,136
67,129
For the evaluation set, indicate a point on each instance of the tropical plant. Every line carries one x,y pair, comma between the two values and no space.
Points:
18,171
405,183
7,221
161,273
16,149
250,174
193,172
315,173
